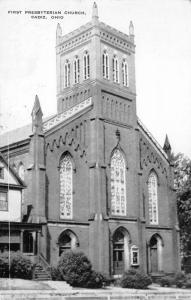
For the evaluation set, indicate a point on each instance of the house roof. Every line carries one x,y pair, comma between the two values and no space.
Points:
13,172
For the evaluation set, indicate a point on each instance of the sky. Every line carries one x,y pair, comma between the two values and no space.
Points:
163,60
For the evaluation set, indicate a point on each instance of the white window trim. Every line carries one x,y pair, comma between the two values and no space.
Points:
134,249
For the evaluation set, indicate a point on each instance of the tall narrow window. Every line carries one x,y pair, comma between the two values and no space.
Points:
125,75
76,70
105,61
153,198
118,184
115,69
86,65
67,74
66,187
3,201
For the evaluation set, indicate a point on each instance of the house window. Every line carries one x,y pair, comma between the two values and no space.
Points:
1,172
67,74
125,73
118,184
3,201
86,65
153,198
66,187
21,171
134,256
115,69
105,61
76,70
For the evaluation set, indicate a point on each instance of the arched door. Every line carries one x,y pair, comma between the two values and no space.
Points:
155,254
67,241
120,251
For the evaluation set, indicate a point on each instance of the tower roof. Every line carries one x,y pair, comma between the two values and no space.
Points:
36,108
167,145
95,11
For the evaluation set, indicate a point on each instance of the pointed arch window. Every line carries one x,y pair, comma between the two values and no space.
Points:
153,198
76,70
115,69
118,184
66,187
125,75
105,61
86,65
67,74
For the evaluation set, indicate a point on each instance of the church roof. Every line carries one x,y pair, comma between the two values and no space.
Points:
151,138
17,135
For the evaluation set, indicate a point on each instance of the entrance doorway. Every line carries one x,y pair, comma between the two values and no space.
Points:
67,241
120,251
156,249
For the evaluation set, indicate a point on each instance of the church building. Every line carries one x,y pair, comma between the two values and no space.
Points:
93,177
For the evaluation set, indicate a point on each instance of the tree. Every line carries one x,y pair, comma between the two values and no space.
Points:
182,182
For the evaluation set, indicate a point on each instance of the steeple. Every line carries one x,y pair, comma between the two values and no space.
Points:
37,116
95,12
167,147
131,30
58,33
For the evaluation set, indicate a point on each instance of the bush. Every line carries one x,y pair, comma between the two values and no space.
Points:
166,281
188,281
180,279
20,265
55,273
96,280
135,280
4,264
75,268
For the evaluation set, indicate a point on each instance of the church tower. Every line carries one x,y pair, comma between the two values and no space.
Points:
99,61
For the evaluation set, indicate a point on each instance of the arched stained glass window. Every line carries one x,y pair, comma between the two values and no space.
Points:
118,184
153,198
105,61
66,187
125,75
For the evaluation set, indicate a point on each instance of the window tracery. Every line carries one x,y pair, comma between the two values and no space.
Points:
153,198
118,184
66,187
